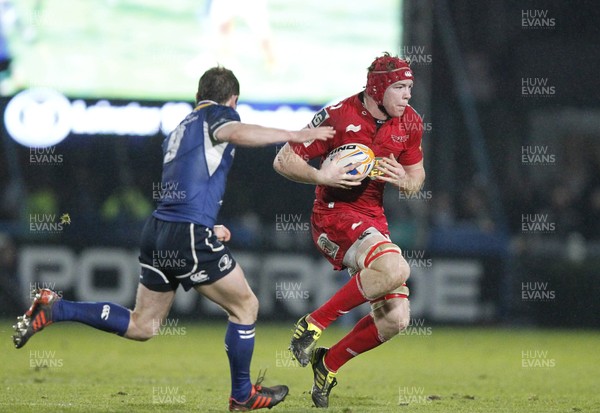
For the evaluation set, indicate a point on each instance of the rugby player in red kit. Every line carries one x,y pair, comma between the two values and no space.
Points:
348,223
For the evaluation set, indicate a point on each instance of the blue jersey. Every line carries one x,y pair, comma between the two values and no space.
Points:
195,167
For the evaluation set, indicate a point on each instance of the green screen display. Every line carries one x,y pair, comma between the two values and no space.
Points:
308,51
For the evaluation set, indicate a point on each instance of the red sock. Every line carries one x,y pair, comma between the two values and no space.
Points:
363,337
347,297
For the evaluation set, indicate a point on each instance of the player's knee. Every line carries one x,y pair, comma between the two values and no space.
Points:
254,305
395,268
399,273
403,271
247,308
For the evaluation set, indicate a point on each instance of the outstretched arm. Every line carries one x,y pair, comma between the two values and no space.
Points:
245,134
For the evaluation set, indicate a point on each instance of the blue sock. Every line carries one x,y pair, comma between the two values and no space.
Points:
239,344
103,316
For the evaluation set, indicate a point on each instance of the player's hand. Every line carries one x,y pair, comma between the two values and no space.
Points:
337,176
223,234
310,134
393,172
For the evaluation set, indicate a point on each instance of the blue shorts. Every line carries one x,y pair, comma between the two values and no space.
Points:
174,253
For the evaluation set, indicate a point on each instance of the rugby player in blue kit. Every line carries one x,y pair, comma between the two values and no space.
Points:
197,158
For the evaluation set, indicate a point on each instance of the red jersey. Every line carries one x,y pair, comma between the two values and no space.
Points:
354,124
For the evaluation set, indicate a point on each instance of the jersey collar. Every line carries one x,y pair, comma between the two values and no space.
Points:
205,103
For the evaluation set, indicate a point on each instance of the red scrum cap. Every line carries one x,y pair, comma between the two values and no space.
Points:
384,71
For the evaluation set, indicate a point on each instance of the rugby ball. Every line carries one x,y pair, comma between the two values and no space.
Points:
350,153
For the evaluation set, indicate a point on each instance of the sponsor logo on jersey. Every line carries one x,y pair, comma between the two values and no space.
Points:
225,263
199,276
319,118
341,148
352,128
356,224
375,172
327,246
400,139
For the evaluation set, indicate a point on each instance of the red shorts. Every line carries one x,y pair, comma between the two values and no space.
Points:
334,232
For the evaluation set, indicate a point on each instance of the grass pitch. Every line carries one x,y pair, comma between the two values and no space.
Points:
72,368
